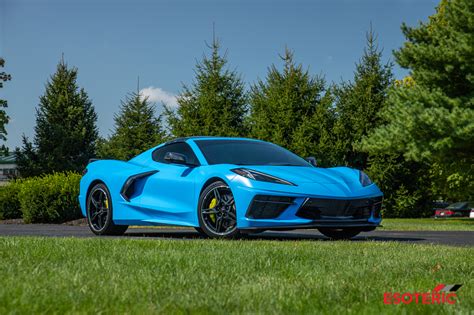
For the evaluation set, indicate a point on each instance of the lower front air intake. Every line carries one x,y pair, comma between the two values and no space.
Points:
268,207
320,209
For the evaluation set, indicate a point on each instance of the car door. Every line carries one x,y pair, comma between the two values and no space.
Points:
169,193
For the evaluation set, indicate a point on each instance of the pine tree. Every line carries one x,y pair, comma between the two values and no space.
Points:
358,104
406,185
214,105
27,160
137,128
293,109
65,131
3,104
431,119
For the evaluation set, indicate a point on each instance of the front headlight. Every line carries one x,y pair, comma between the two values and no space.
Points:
245,172
364,179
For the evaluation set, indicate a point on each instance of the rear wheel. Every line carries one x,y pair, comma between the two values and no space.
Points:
339,234
99,212
217,213
200,231
255,231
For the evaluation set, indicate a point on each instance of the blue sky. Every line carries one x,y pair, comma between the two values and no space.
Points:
113,42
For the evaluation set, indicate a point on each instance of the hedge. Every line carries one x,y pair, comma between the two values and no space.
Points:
50,198
9,202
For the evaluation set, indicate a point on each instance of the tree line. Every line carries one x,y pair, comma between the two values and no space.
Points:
414,136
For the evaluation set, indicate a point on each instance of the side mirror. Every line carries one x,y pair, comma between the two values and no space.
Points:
312,160
176,158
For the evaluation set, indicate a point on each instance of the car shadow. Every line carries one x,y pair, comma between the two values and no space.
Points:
178,234
319,237
309,235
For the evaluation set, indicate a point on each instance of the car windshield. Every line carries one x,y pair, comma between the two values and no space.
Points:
457,206
247,152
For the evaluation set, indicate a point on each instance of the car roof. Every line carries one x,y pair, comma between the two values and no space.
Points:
185,139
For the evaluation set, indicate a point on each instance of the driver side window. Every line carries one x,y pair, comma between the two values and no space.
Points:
179,147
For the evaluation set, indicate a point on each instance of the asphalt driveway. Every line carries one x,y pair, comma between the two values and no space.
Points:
454,238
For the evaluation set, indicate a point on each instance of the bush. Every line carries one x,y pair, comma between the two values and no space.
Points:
406,186
50,198
9,202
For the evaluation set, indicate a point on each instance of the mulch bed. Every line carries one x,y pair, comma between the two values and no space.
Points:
79,222
12,221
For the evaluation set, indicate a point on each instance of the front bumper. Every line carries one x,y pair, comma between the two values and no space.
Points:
279,210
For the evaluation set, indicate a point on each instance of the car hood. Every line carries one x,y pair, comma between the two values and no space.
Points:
302,174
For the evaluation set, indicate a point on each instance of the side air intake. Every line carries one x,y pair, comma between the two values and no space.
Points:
129,187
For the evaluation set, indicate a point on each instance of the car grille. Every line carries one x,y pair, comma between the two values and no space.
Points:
268,207
318,208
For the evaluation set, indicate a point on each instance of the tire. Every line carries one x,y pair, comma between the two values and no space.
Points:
200,231
339,234
100,212
216,211
254,231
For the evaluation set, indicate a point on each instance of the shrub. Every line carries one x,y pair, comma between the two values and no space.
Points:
405,184
50,198
9,202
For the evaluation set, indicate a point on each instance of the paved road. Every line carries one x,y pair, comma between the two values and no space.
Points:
454,238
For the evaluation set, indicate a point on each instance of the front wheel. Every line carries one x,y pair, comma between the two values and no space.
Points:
99,212
339,234
217,213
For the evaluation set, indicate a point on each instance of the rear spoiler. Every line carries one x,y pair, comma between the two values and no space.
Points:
93,160
84,171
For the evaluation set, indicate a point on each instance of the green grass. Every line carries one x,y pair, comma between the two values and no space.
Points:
110,276
429,224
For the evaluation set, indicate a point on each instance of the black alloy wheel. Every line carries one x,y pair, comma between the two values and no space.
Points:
217,212
340,234
99,212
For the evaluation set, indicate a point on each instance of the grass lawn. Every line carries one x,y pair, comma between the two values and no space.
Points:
57,275
428,224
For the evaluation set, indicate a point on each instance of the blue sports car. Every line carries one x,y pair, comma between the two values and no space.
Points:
227,186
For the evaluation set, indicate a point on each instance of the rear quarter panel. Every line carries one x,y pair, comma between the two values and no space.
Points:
113,174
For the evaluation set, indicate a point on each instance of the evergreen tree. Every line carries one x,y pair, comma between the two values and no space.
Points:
27,160
3,104
293,109
214,105
65,131
137,128
431,120
406,185
358,104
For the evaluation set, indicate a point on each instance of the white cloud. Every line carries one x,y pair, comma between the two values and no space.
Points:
156,94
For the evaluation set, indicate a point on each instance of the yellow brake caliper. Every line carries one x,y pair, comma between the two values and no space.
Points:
211,206
106,202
